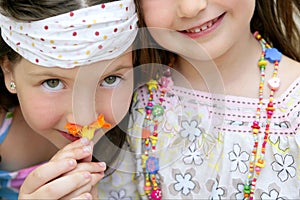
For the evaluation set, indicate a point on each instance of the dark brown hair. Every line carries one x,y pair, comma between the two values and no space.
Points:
33,10
273,19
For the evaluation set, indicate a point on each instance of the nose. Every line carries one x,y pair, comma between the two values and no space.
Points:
83,97
190,8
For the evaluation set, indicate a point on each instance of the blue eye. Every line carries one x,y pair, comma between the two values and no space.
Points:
53,84
111,81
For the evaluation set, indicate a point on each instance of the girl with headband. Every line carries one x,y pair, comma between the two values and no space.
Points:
223,123
66,81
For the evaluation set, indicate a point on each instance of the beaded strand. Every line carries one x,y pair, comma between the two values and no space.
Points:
257,161
150,163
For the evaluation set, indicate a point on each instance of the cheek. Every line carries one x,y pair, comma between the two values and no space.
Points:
39,111
157,13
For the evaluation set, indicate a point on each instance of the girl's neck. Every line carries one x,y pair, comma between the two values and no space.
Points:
228,73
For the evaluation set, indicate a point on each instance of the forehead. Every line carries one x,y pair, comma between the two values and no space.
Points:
26,67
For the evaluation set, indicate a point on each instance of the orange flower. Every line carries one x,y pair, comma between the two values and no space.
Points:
87,131
100,123
73,129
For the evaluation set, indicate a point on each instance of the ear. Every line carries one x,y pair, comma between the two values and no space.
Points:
7,70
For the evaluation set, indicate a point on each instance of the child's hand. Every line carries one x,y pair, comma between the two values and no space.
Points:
69,174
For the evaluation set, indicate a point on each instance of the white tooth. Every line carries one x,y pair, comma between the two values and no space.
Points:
197,30
209,24
203,28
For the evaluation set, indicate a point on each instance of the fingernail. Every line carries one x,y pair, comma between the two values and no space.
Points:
84,141
88,196
87,175
87,148
72,163
102,164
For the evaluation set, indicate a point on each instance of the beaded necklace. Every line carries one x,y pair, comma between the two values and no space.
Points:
150,162
257,160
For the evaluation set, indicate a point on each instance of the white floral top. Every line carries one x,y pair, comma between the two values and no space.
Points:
204,147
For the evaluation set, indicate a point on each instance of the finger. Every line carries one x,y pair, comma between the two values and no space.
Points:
83,196
46,173
94,192
87,188
77,152
63,186
77,143
92,167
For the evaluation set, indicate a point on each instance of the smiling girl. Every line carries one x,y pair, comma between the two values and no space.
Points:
222,122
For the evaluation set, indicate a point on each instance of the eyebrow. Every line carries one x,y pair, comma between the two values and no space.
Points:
47,74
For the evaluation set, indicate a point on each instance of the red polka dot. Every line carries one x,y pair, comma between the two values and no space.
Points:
9,27
74,33
83,20
18,43
43,39
72,26
46,27
126,8
54,47
97,33
130,27
100,46
115,30
37,60
103,6
71,14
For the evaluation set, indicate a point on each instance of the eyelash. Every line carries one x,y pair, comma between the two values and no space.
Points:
117,79
46,85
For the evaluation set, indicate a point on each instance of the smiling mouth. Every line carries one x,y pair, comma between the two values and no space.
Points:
204,26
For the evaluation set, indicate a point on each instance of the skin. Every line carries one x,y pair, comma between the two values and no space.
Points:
51,97
221,59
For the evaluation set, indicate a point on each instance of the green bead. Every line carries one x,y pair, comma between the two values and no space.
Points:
247,189
157,110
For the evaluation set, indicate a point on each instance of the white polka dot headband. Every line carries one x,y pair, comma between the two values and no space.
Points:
76,38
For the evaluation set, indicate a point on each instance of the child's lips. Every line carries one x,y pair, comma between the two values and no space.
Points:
69,136
203,27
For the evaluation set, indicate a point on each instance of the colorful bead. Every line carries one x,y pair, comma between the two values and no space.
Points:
273,55
156,194
152,85
152,165
274,83
157,110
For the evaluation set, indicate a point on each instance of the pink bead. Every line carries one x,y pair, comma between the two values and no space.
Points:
270,112
149,112
257,169
156,194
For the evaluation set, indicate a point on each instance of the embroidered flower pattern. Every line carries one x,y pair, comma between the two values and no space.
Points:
280,140
184,183
273,194
240,193
284,167
172,119
238,159
121,195
192,155
190,130
216,192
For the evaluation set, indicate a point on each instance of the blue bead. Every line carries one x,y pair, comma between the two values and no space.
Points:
152,165
273,55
